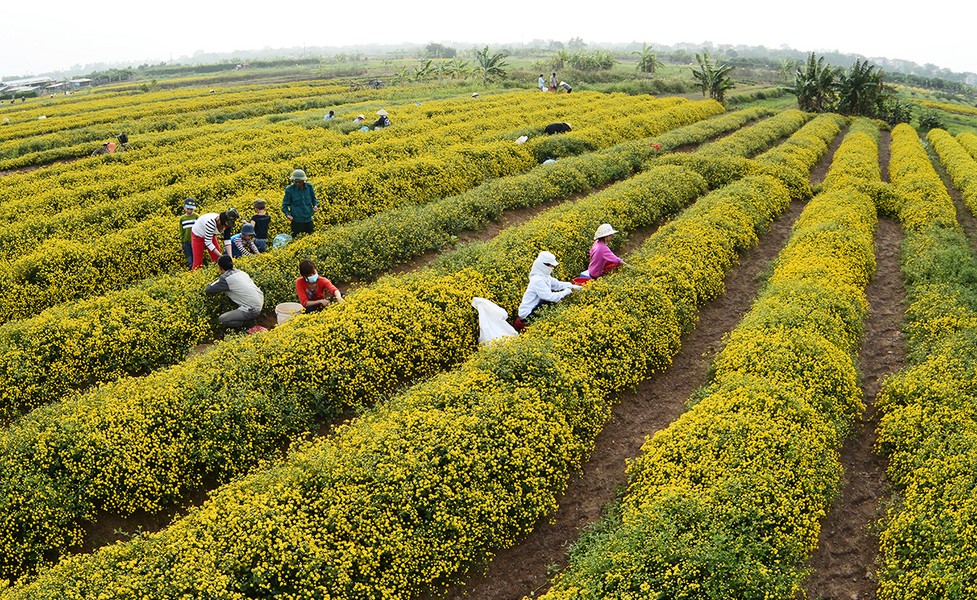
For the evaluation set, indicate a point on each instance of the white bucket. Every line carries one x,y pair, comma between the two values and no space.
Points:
287,310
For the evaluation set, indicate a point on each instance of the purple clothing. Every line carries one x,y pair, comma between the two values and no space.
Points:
600,258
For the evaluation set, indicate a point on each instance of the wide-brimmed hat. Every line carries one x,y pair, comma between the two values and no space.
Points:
604,230
382,113
247,229
299,175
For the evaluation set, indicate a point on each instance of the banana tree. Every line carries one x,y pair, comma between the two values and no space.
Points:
712,79
489,65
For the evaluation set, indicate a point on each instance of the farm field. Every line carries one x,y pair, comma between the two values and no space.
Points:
774,399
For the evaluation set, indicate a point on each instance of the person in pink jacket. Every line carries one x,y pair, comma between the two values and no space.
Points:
602,259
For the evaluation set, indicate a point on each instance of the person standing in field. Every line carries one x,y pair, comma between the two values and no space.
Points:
203,234
187,220
554,82
260,221
300,203
541,83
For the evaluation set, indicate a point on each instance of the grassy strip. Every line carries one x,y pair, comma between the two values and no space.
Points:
929,413
726,502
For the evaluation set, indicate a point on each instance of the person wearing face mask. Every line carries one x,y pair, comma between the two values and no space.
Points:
543,288
311,288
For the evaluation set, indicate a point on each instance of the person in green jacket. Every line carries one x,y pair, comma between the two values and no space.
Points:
300,203
187,219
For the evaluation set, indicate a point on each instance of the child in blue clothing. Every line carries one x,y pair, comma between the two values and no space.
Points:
242,244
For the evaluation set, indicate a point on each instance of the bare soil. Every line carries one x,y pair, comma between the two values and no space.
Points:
524,569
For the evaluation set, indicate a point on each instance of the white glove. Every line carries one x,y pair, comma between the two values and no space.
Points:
575,287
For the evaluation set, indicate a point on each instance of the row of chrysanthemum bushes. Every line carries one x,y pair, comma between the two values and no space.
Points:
139,329
142,444
61,270
928,428
726,501
413,494
959,165
71,126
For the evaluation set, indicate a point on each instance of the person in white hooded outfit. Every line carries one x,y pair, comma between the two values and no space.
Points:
543,287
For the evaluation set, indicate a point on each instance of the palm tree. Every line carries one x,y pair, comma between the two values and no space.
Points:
647,60
713,79
815,85
491,66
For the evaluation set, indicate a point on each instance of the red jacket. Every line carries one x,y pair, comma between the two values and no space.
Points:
313,291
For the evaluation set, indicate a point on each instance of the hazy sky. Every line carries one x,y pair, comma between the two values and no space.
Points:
55,35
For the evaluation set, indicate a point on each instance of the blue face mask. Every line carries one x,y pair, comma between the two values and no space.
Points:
312,278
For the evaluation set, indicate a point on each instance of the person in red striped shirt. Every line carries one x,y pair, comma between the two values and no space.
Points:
204,234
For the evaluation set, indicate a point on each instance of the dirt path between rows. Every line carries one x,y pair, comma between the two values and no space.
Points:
524,569
844,563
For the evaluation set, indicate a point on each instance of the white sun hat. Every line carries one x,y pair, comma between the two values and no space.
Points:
604,230
382,113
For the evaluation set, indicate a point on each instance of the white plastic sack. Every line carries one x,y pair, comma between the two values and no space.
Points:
492,324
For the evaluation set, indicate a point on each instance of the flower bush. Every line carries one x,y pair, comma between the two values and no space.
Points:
928,417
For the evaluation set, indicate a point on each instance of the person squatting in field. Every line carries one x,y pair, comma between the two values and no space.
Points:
300,203
556,128
204,234
543,288
383,121
243,243
241,290
311,288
